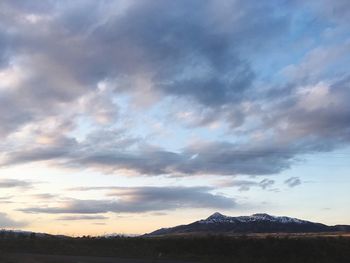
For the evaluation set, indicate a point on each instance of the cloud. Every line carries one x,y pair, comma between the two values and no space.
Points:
7,222
293,181
45,196
82,217
6,200
245,185
266,183
70,79
222,158
141,199
12,183
6,197
337,11
147,48
314,118
193,58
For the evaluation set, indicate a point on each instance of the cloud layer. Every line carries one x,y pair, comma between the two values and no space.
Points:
87,85
12,183
138,200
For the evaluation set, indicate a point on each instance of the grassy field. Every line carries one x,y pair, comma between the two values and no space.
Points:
243,249
39,258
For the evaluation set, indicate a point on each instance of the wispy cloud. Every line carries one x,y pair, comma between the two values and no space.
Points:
293,181
45,196
141,199
246,185
13,183
81,217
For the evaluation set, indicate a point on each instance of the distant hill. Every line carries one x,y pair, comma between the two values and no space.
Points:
29,234
256,223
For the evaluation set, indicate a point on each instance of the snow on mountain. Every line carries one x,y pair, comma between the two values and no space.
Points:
257,223
220,218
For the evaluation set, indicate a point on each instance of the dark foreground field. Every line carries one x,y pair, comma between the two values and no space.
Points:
38,258
175,249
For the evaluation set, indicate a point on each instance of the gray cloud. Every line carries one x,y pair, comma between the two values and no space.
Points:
338,11
41,153
245,185
142,199
314,118
201,52
45,196
65,53
81,217
293,181
12,183
310,120
6,200
204,158
192,58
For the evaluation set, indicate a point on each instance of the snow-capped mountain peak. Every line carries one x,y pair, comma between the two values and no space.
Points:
220,218
279,219
256,223
263,216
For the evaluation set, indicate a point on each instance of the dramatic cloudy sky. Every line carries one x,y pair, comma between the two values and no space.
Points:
126,116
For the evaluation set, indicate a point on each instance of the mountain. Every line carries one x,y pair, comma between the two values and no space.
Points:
256,223
27,234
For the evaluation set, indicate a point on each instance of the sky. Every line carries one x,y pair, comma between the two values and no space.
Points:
127,116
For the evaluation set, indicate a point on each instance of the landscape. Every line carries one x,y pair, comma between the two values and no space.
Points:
174,131
254,224
218,238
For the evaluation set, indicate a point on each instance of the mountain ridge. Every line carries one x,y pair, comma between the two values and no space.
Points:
218,223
